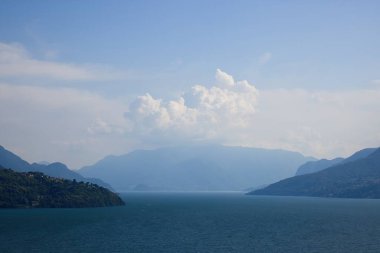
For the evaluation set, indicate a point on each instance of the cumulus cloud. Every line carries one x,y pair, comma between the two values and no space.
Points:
15,61
200,114
317,123
224,79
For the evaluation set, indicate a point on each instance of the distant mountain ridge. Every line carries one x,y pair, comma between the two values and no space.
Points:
195,168
358,177
360,154
10,160
315,166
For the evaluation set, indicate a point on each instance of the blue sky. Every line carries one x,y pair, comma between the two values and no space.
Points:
314,44
117,51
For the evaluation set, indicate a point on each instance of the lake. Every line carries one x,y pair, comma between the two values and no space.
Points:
198,222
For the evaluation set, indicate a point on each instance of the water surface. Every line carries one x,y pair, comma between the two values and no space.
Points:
198,222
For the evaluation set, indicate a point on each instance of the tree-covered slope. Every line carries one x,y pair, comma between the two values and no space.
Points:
34,189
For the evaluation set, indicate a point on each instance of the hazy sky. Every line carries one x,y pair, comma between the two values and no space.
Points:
80,80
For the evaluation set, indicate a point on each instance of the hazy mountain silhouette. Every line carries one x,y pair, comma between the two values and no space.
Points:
189,168
360,154
10,160
357,177
315,166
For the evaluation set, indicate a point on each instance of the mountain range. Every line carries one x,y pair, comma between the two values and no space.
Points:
10,160
195,168
223,168
355,177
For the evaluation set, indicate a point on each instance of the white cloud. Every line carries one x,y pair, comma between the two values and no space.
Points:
201,114
15,61
318,123
224,79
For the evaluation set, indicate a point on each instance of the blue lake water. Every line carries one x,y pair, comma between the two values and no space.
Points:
198,222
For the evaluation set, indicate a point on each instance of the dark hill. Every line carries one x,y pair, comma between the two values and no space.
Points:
34,189
356,179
